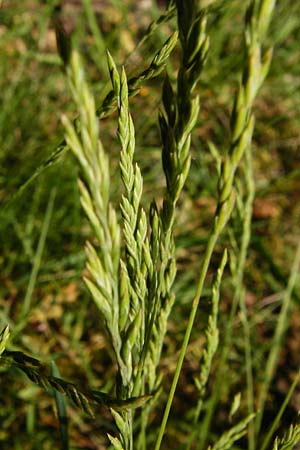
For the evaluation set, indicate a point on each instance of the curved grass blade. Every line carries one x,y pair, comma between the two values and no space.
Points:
82,398
61,406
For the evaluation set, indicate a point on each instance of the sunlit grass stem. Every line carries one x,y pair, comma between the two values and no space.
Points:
277,339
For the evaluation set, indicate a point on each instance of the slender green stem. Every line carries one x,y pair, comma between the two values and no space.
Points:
39,252
212,335
99,40
36,265
276,344
246,236
227,335
249,374
210,406
207,257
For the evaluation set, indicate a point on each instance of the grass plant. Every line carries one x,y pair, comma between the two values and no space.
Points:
168,368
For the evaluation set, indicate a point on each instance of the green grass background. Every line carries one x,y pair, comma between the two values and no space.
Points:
42,230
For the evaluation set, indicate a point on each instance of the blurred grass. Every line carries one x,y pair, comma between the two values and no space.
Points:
62,323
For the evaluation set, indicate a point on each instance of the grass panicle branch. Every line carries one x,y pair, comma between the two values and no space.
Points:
162,19
82,398
155,68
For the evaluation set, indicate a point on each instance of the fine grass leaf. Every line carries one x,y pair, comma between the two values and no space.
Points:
61,406
38,373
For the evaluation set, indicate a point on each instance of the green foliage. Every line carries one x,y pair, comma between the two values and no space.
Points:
158,309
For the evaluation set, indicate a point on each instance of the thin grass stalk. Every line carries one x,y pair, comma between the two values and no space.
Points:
38,254
212,336
36,265
238,260
163,18
61,407
240,290
99,40
208,253
249,369
277,339
242,124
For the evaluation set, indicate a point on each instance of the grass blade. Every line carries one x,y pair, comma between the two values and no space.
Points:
61,406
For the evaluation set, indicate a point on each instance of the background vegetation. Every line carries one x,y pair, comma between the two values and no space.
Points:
43,230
